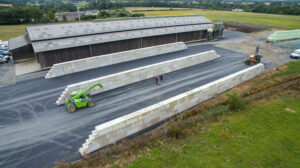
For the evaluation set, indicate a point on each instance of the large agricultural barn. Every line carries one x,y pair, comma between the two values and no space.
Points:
56,43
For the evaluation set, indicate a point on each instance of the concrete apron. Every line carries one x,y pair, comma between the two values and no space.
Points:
8,74
113,131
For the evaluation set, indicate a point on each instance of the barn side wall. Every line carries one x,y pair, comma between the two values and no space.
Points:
21,53
47,59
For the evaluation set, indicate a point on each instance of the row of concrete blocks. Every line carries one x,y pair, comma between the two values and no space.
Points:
138,74
110,59
115,130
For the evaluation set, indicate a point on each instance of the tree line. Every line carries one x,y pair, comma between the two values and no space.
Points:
43,13
111,14
285,8
46,12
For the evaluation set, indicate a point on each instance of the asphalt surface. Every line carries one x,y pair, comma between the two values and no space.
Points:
35,132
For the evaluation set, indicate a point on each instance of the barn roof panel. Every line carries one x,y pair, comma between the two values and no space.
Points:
54,31
48,45
18,42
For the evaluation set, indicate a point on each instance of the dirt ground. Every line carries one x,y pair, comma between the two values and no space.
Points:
27,66
248,45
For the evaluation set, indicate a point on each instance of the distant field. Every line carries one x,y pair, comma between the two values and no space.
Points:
80,4
11,31
5,5
269,20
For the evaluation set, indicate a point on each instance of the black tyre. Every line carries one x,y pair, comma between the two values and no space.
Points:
91,103
71,108
247,62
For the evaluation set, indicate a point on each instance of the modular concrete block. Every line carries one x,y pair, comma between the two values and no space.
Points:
135,75
113,131
70,67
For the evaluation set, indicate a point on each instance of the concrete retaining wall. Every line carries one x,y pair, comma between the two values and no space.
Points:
135,75
119,128
109,59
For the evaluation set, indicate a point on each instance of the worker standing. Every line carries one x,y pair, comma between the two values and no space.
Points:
158,79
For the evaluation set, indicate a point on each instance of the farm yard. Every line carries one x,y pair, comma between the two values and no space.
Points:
177,88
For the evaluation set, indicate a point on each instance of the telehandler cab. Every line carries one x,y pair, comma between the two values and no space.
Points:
79,99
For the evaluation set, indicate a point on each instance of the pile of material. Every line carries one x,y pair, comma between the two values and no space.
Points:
284,35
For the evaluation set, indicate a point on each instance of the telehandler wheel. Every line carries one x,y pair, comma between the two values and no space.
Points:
247,62
91,103
71,108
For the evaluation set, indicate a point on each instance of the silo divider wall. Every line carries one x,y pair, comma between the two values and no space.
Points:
70,67
124,78
114,130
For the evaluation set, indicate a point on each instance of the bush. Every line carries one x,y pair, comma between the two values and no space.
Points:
88,17
104,14
175,131
235,102
138,15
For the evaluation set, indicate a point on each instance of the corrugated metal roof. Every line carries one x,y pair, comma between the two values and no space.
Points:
40,46
53,31
17,42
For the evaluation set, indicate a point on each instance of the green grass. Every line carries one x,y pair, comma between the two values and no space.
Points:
293,68
80,4
269,20
11,31
6,5
265,136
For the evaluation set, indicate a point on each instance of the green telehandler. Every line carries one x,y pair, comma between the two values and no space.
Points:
79,99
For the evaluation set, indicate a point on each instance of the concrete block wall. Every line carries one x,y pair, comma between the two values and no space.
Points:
109,59
113,131
135,75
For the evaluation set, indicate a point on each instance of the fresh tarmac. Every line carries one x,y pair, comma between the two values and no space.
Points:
35,132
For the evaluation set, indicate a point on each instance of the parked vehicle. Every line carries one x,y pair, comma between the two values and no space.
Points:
2,51
5,53
296,54
4,59
4,47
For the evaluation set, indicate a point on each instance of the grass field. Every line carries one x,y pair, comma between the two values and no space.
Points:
6,5
11,31
80,4
263,136
269,20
